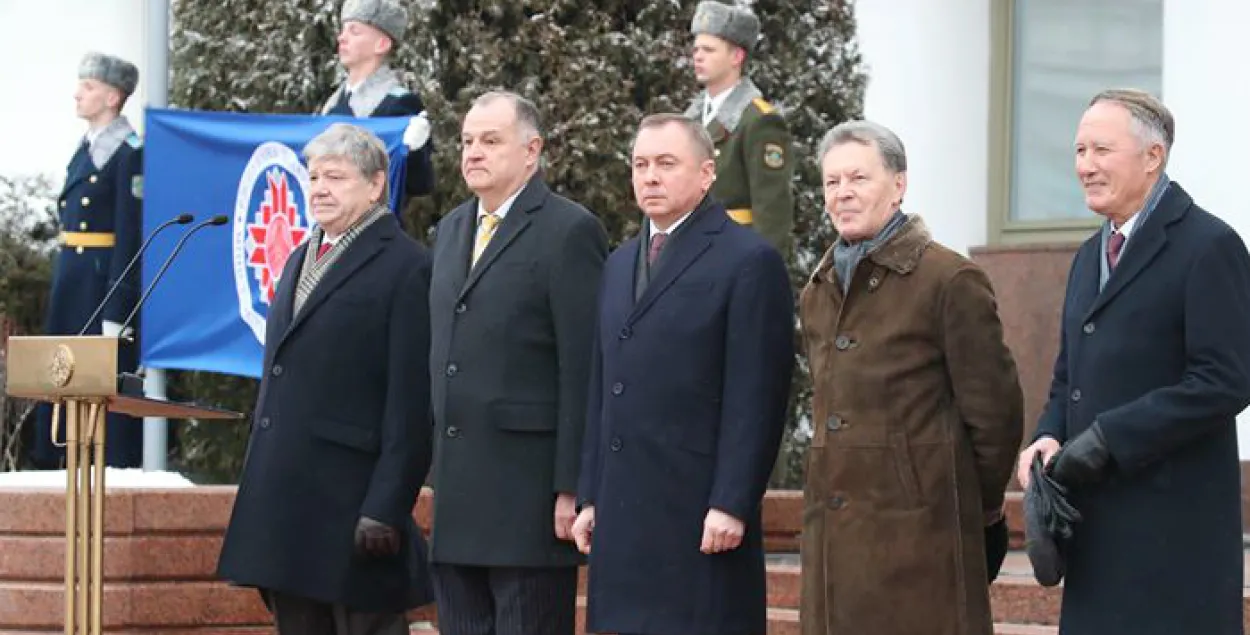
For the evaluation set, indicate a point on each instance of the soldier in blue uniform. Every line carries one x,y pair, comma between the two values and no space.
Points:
371,30
101,226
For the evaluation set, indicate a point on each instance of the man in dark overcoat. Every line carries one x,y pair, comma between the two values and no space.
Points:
516,275
100,211
689,384
1153,368
340,442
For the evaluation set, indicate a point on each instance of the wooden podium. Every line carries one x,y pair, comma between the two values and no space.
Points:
78,374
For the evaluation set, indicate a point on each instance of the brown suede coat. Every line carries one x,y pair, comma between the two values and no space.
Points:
918,416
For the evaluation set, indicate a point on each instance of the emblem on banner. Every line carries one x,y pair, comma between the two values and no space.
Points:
270,220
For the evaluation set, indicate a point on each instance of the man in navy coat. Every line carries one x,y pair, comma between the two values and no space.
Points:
101,226
689,383
1153,368
322,523
371,31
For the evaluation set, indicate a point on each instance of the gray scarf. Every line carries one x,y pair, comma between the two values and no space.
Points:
846,256
312,269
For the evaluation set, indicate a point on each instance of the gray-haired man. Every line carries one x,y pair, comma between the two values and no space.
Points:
340,443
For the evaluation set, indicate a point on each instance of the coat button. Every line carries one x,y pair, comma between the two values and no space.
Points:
627,333
453,431
62,204
618,388
616,444
92,179
82,226
461,308
835,423
1089,328
837,502
85,201
843,342
452,369
277,370
78,249
1076,394
873,283
264,423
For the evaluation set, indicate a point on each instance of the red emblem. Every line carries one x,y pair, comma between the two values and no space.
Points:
275,233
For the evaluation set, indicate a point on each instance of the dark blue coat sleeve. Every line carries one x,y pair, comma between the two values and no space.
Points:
759,365
419,173
127,232
406,430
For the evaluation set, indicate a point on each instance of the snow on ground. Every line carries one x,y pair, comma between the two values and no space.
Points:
113,477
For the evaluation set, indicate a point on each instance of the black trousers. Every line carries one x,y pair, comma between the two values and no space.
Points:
294,615
505,600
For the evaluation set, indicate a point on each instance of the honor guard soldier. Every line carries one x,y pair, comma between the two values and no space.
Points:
371,30
754,166
101,225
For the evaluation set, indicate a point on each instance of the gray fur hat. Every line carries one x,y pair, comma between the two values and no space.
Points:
113,71
389,16
735,24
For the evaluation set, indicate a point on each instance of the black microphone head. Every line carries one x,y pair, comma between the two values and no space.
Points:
220,219
183,219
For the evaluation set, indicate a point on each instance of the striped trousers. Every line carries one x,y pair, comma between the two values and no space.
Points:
505,600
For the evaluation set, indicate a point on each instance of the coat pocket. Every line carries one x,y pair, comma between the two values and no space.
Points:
525,417
345,434
906,468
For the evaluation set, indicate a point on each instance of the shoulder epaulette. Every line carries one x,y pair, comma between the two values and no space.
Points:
763,105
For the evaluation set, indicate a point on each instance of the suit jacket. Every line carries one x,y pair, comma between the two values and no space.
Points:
511,348
1161,358
341,429
687,404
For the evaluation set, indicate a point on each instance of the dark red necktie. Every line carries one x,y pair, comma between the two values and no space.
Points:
1114,245
321,251
657,243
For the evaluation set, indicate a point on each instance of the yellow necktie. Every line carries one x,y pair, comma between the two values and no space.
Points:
488,224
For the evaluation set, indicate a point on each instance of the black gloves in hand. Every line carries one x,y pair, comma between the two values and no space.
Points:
376,539
996,539
1084,460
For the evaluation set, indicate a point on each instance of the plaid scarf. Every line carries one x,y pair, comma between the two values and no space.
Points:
313,269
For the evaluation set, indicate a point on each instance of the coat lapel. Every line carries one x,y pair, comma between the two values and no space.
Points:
1144,245
514,224
362,250
79,167
717,131
458,247
707,220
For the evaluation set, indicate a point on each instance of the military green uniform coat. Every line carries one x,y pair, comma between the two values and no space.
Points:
754,162
918,413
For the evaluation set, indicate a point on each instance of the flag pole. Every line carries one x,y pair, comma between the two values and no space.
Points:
156,429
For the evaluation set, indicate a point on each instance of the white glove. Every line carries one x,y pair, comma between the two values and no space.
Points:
114,329
418,131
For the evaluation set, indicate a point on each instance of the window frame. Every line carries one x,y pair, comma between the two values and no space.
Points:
1001,228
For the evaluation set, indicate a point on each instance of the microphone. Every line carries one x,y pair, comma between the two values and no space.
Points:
220,219
181,219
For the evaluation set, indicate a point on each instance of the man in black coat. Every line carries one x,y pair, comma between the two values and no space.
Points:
689,383
340,443
371,31
1153,368
512,303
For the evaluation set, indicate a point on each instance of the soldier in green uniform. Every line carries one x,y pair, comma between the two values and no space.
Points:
754,162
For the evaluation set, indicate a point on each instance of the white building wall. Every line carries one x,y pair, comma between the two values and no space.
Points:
1205,49
928,81
42,43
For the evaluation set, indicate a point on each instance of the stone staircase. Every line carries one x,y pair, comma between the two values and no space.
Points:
162,548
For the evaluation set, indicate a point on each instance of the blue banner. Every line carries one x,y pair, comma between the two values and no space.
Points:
208,311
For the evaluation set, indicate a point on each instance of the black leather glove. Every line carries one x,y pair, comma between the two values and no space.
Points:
996,540
376,539
1084,460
